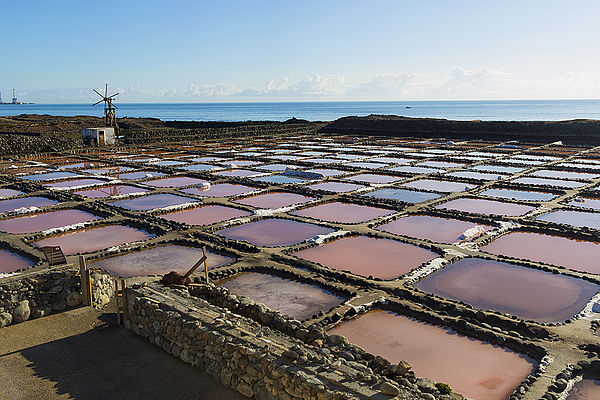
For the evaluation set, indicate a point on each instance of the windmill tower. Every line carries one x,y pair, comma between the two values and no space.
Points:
110,118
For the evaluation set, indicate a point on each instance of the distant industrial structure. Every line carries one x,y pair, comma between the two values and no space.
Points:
14,99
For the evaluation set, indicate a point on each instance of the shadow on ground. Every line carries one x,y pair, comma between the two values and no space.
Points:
100,363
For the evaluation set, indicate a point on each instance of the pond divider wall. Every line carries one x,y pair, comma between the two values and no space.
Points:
260,362
41,293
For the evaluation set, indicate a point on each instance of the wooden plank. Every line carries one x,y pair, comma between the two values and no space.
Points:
85,291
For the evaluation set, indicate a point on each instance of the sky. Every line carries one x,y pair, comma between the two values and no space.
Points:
284,50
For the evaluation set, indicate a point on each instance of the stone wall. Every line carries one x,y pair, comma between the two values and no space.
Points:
260,362
44,292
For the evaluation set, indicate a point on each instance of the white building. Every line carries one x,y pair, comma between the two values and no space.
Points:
98,136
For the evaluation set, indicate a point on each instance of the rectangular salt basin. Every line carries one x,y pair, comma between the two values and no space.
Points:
75,183
367,165
574,218
491,207
408,169
326,171
141,174
9,193
373,178
545,173
89,240
45,221
279,179
159,260
368,256
200,167
586,389
25,203
274,232
439,186
205,215
153,201
337,187
110,191
550,182
176,181
274,200
11,262
499,169
436,229
512,289
51,175
238,172
570,253
586,202
295,299
220,190
404,195
518,194
342,212
476,175
473,368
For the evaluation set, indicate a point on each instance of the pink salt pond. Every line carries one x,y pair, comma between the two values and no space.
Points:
274,232
176,181
486,372
373,178
527,293
9,193
141,174
346,213
159,260
45,221
75,183
586,389
338,187
368,256
153,202
480,206
238,172
298,300
220,190
89,240
274,200
25,202
580,255
205,215
436,229
110,191
10,262
439,186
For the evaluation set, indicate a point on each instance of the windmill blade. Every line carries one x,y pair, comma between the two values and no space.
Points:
99,94
116,94
98,102
106,90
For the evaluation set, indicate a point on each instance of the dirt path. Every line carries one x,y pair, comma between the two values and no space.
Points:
79,355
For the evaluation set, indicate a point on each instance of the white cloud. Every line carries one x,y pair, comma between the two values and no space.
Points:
459,83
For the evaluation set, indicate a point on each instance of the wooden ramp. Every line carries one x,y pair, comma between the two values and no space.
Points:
54,255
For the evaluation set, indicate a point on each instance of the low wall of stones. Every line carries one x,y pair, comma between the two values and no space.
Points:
261,362
41,293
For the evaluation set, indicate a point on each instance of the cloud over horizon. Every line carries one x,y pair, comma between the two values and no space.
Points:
458,84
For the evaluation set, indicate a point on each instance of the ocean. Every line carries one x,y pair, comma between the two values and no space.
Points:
506,110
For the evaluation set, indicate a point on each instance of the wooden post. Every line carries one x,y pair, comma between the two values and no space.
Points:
125,302
117,298
205,263
84,273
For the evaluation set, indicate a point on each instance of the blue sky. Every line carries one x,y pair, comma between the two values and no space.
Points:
196,51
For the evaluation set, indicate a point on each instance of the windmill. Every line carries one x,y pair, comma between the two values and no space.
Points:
110,119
